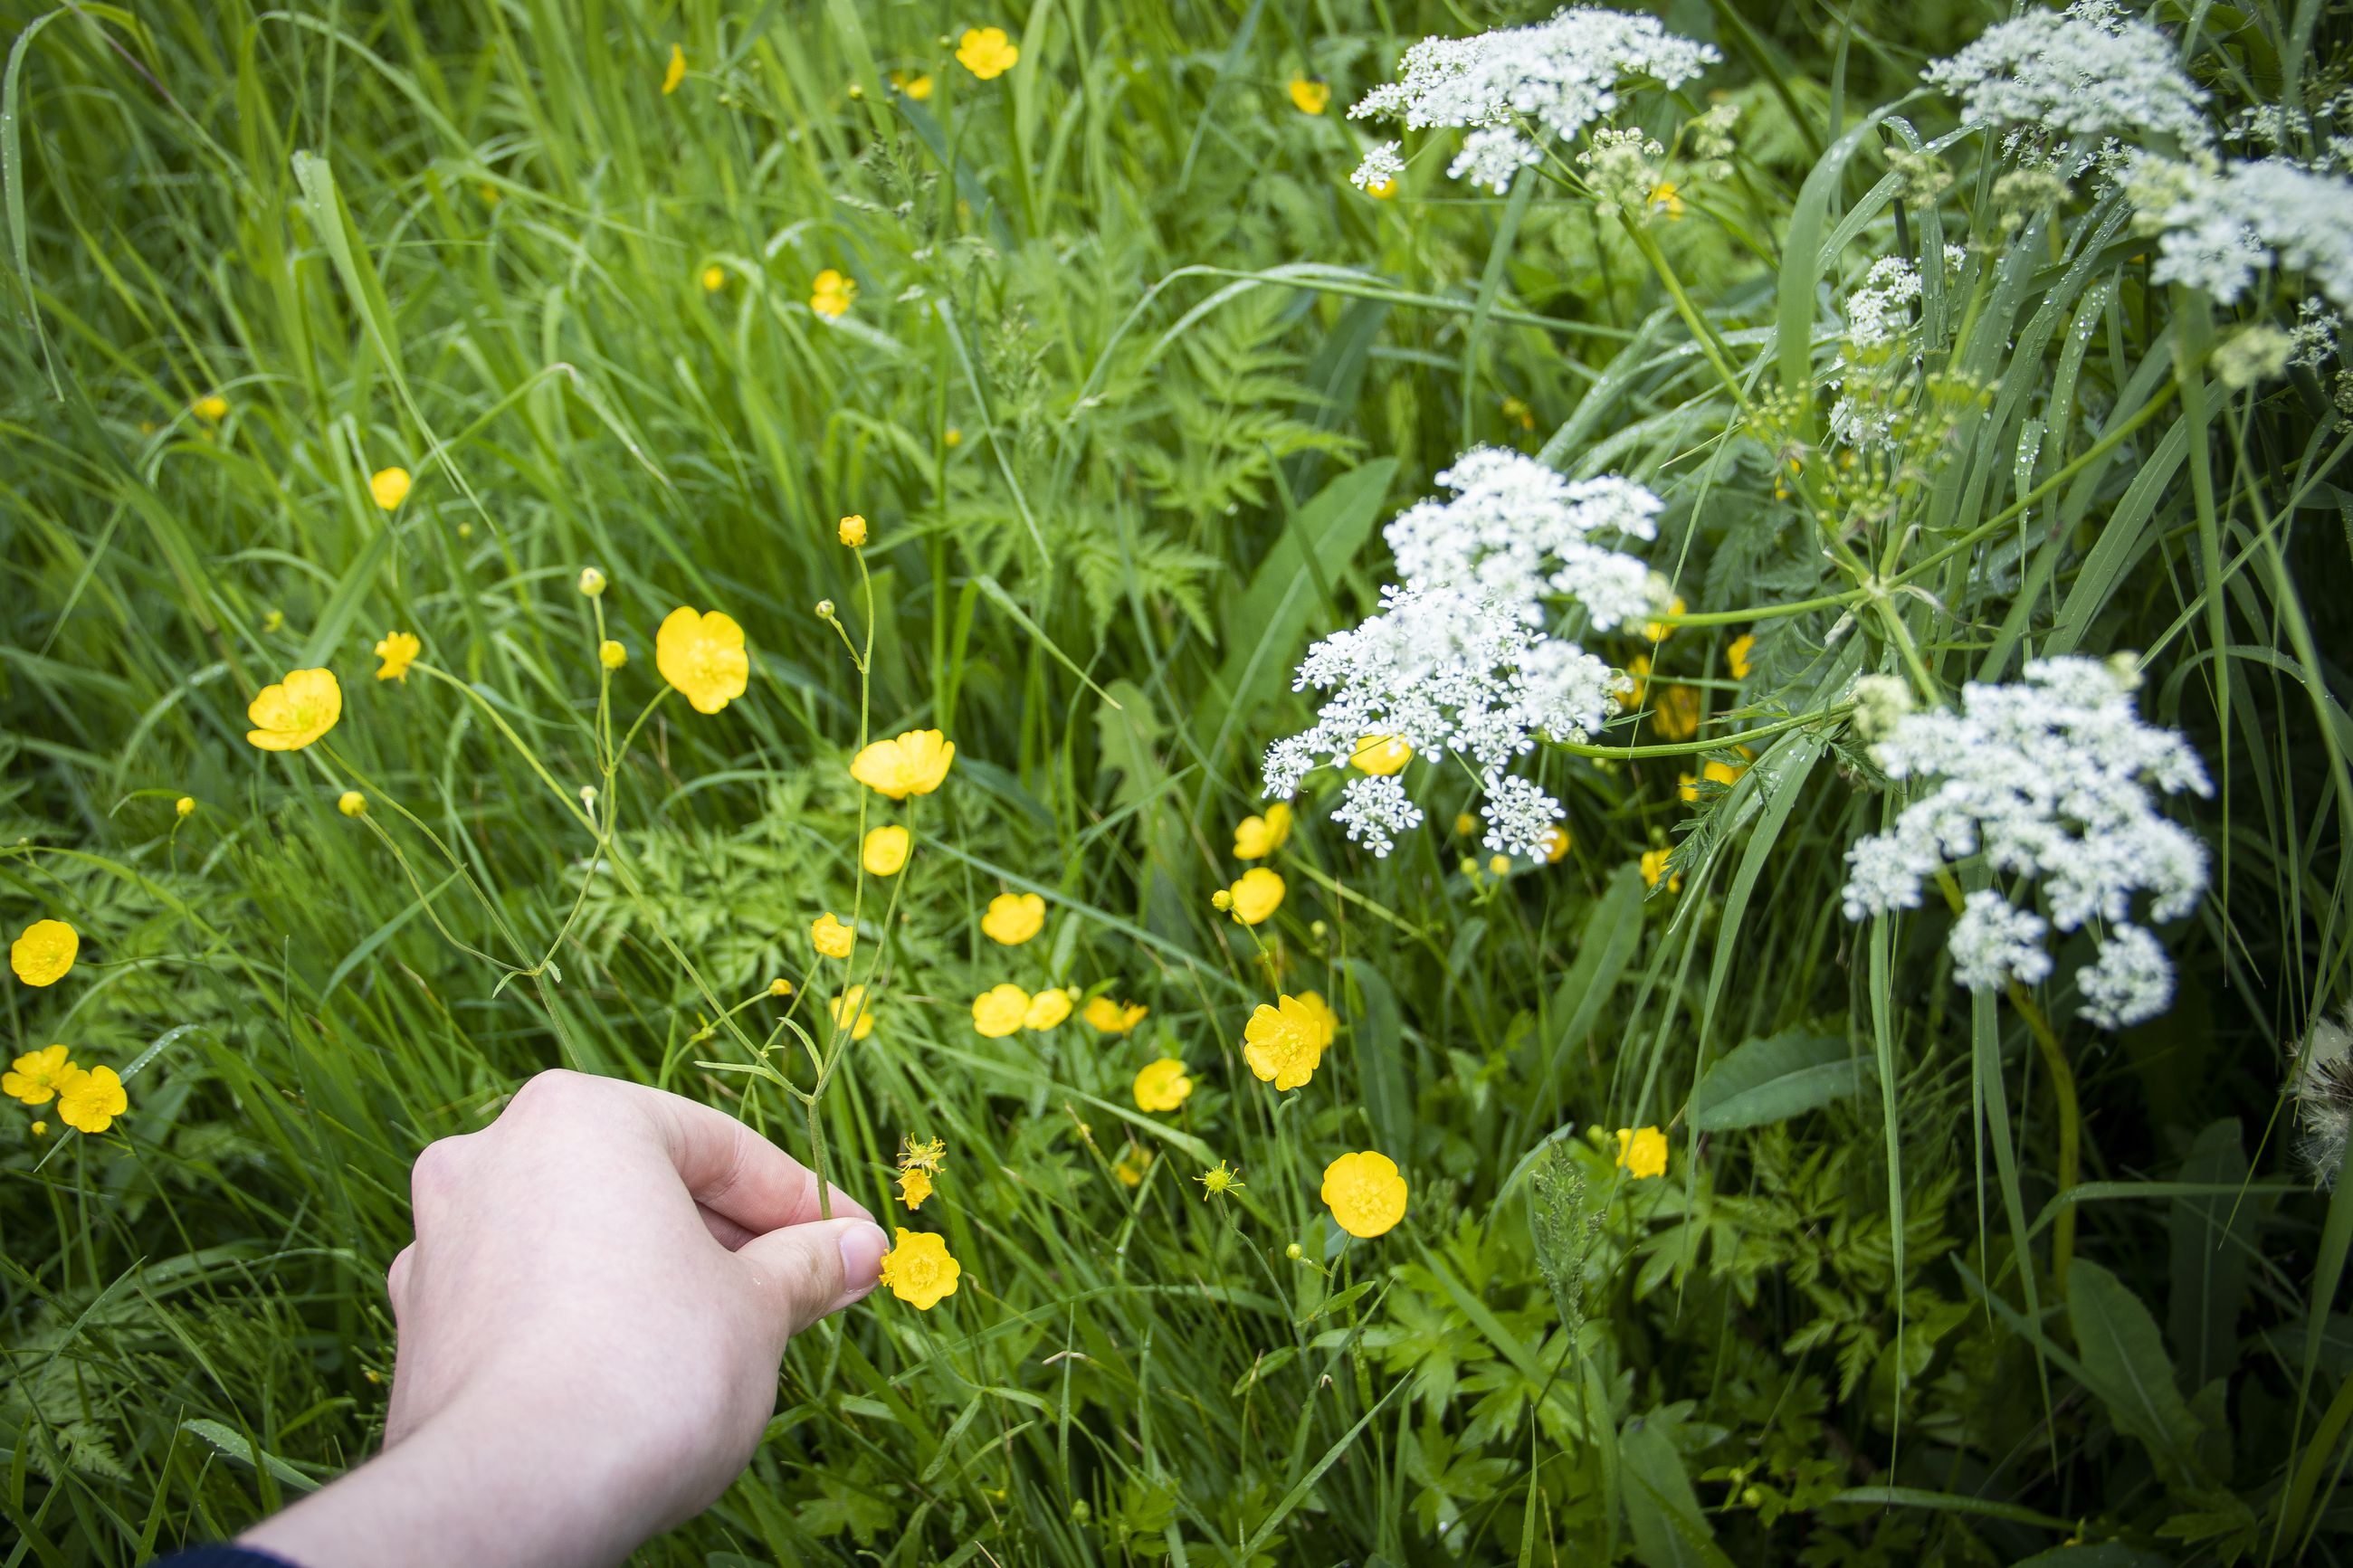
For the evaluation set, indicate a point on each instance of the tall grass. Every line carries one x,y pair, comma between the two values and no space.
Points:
1131,377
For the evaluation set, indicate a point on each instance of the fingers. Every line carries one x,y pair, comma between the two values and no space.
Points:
811,1269
723,1231
733,1172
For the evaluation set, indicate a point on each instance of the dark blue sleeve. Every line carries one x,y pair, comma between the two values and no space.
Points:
221,1557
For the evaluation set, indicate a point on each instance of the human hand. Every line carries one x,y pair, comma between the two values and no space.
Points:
590,1324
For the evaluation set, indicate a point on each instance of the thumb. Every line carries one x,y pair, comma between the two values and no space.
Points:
805,1271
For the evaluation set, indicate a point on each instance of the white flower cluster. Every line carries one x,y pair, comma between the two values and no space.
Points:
1878,315
2050,779
2077,76
1380,168
1555,77
1458,660
2216,225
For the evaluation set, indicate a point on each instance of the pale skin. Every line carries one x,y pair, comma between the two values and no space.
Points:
590,1324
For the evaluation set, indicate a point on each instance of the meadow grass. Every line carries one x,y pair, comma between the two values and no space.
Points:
1130,377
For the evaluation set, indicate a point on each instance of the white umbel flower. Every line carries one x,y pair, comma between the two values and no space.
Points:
2049,780
2216,227
1459,659
2078,75
1515,83
1381,169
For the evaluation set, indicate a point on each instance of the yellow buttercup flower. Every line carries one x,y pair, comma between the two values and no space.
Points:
702,655
1256,838
1364,1193
1663,199
851,1004
1381,190
833,939
914,763
1555,845
1736,656
1257,894
43,952
352,803
1657,630
1310,95
885,850
1381,755
611,655
914,1186
998,1011
916,85
36,1075
1013,917
714,279
1724,774
398,651
1112,1017
852,531
1163,1085
1046,1009
1284,1044
185,806
1677,716
296,711
830,294
1132,1163
676,72
986,52
89,1101
919,1270
1642,1153
389,486
1654,865
212,410
1638,676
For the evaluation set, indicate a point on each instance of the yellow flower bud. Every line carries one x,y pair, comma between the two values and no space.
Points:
592,582
185,805
611,655
352,804
1221,900
853,530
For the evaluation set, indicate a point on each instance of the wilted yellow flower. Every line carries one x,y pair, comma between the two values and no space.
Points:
352,803
1654,865
1284,1044
830,294
1256,838
851,1005
1642,1153
36,1075
611,655
1364,1193
1013,917
1381,755
296,711
1163,1085
919,1270
1657,630
89,1101
1113,1018
398,651
1046,1009
389,486
1257,894
1664,200
885,850
592,582
212,410
833,939
914,1186
914,763
1735,654
1310,95
1219,1182
43,952
703,656
185,806
916,85
676,72
714,279
986,52
853,530
998,1011
1677,716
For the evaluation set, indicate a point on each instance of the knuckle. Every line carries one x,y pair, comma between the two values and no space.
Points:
553,1092
436,1172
